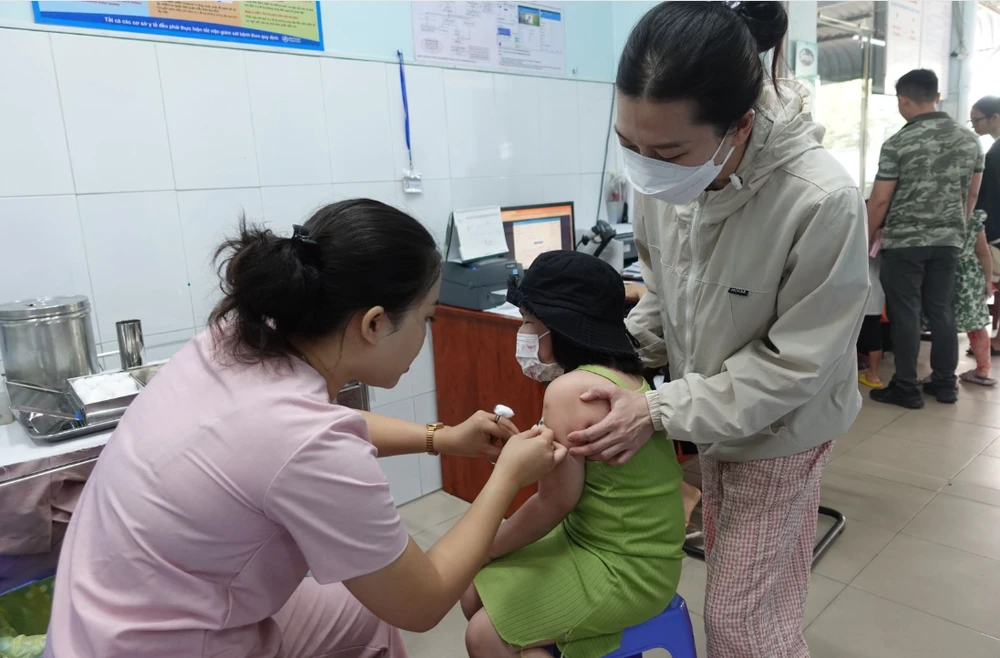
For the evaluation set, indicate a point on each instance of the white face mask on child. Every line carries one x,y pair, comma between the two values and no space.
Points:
527,357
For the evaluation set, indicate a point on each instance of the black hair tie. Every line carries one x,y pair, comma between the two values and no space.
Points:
753,10
306,248
764,19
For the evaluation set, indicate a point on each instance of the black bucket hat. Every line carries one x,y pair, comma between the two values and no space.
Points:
577,296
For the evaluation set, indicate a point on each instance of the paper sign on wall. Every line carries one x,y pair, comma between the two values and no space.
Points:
284,24
806,60
918,35
507,36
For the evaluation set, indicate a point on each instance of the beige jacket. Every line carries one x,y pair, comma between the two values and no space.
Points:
756,296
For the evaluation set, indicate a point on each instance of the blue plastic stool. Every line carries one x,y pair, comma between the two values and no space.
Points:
670,630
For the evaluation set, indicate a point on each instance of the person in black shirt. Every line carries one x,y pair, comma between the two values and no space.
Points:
985,120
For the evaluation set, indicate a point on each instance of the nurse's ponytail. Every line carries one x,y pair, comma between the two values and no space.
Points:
348,257
768,23
706,52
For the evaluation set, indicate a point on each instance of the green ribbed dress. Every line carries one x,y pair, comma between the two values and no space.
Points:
612,563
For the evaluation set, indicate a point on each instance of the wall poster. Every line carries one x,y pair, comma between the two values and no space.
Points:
281,24
507,36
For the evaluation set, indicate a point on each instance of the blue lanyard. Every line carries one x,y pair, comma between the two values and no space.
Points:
406,108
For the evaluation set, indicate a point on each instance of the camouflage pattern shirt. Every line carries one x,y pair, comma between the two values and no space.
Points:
932,159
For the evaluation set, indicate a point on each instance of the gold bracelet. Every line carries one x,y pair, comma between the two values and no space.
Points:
431,428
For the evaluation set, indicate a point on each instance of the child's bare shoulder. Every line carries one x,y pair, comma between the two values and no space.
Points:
563,406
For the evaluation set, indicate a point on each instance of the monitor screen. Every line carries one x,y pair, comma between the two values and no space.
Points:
533,230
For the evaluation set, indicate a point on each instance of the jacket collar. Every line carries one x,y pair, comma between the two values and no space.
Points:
783,130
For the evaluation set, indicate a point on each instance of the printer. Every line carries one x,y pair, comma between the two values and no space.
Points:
477,285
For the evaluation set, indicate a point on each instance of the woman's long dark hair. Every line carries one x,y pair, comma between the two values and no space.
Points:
348,257
705,52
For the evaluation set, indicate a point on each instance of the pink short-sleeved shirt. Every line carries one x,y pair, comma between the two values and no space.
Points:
220,488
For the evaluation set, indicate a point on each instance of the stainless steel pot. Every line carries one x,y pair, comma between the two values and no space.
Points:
48,340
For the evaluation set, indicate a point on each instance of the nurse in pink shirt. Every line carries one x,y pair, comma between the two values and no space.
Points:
233,474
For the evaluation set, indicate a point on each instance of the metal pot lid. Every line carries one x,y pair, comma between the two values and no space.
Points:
43,307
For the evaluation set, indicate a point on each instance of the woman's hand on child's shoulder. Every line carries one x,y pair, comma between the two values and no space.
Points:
564,411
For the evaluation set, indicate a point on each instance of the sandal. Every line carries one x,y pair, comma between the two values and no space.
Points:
993,351
863,378
973,377
692,531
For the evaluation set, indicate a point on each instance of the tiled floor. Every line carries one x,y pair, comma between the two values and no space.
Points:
917,571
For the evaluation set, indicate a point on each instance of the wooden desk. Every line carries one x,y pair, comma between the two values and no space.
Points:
475,368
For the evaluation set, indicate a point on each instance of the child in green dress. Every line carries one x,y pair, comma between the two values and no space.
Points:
973,287
599,547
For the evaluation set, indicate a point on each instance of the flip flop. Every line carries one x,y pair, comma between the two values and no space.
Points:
693,532
863,378
972,377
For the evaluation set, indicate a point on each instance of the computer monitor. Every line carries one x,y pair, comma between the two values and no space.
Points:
533,230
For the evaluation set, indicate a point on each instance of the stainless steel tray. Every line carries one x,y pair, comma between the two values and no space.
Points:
144,374
100,409
52,430
97,408
46,427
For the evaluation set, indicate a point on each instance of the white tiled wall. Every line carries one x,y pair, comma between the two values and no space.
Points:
124,162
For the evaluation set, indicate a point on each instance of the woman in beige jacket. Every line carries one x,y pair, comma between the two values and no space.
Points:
752,241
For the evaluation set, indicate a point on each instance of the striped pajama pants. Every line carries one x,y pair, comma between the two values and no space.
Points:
760,527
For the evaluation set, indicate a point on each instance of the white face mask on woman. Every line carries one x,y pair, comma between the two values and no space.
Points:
671,182
527,356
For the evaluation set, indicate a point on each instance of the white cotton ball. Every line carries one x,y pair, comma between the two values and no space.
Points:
503,411
105,387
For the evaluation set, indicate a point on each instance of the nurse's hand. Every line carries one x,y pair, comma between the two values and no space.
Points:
528,457
622,433
478,436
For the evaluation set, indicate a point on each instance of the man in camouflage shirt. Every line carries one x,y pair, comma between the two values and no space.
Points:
926,186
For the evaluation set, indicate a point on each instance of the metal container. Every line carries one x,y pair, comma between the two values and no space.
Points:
131,347
108,394
144,374
49,427
105,395
47,341
6,415
354,395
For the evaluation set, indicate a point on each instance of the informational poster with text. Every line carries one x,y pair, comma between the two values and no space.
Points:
918,35
281,24
525,37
